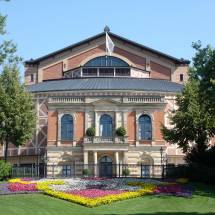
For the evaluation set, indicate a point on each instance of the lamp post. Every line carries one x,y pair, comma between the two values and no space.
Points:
161,153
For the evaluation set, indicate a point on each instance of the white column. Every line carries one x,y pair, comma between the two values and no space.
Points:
95,163
117,162
85,159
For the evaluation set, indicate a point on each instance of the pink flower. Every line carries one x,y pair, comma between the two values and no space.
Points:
14,187
93,193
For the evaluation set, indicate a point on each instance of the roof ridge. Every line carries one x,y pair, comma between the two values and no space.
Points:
176,60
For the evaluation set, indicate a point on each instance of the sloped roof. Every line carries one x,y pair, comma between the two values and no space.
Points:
176,60
81,84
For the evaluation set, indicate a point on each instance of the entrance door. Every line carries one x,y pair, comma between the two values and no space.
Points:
105,167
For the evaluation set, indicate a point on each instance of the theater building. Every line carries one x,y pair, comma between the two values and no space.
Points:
80,86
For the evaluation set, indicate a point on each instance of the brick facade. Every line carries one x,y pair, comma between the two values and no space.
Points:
159,72
53,72
52,127
131,127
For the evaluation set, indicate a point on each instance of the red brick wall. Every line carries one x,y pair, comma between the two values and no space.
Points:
139,62
79,127
52,127
159,72
131,127
158,120
53,72
74,62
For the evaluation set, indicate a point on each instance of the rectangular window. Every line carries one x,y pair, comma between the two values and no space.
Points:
32,77
106,72
122,72
66,170
181,77
89,72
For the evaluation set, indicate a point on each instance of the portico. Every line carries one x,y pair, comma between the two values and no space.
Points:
99,161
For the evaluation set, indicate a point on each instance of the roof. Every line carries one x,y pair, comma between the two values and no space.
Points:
82,84
176,60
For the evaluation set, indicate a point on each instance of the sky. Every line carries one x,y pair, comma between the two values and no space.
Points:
39,27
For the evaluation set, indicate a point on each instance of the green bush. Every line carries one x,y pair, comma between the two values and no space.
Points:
5,170
125,172
91,132
86,172
121,131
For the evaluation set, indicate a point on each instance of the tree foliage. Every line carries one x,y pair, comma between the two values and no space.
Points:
193,123
17,110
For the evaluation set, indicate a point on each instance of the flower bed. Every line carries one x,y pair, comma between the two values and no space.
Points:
92,192
14,187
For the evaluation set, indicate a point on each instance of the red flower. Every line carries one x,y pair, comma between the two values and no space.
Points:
14,187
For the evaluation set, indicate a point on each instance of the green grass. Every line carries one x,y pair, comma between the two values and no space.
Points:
202,202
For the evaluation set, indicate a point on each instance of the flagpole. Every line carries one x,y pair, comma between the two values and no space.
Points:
106,47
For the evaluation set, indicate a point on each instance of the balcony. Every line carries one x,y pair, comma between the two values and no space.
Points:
106,143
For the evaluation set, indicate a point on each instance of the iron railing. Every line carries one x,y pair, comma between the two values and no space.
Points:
93,170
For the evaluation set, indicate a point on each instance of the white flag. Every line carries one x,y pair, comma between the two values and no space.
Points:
109,44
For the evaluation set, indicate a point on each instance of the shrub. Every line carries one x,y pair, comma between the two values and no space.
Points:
121,131
91,132
5,170
86,172
126,172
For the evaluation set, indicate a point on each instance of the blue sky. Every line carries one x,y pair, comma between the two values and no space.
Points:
42,26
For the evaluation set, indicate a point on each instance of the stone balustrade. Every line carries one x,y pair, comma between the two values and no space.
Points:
144,100
111,140
66,100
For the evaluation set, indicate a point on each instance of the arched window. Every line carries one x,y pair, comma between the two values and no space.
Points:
66,127
145,127
106,66
106,61
106,126
105,159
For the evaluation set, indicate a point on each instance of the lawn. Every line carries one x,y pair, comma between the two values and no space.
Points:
202,202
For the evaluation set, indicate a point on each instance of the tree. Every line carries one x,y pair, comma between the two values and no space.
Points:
203,70
17,110
194,121
17,114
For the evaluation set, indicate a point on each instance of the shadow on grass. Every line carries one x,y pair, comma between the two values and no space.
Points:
204,190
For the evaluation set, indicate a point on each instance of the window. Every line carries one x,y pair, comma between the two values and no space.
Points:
106,61
89,71
106,72
145,127
122,72
181,77
66,127
106,126
106,66
66,170
32,77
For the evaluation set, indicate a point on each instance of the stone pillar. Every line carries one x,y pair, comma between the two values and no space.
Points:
85,159
117,163
95,163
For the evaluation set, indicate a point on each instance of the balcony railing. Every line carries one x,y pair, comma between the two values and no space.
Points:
111,140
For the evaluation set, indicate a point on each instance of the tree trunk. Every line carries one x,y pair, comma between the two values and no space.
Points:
5,150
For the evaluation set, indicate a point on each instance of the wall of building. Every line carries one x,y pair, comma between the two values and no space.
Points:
53,68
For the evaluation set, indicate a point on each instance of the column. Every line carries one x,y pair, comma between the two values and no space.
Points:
95,163
85,159
117,163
